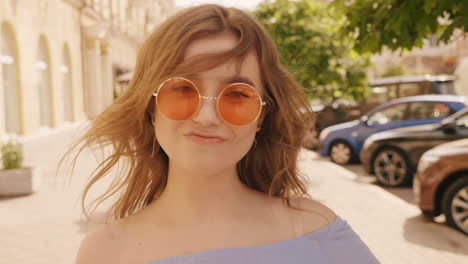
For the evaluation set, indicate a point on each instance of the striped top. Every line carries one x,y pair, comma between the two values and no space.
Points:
332,244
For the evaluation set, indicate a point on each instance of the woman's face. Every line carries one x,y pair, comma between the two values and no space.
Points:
205,143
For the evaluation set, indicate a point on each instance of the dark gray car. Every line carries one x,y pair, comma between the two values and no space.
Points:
392,156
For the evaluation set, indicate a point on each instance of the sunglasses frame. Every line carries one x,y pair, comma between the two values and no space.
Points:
201,97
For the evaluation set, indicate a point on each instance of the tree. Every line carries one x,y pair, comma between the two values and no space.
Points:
394,70
310,44
401,23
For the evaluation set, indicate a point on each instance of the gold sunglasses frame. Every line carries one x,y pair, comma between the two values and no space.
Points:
201,97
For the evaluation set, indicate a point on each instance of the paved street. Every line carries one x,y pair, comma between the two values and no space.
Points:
46,228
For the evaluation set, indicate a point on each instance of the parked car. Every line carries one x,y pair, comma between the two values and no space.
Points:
343,142
383,90
392,156
441,183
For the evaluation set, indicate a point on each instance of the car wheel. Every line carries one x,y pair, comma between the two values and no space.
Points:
391,168
341,153
455,204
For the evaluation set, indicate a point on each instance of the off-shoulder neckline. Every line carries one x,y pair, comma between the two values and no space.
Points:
307,236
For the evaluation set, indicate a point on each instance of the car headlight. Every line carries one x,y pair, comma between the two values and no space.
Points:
324,134
426,161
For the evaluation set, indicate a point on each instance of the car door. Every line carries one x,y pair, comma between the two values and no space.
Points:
455,130
384,119
460,127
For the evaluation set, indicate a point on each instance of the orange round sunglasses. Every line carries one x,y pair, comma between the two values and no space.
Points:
179,99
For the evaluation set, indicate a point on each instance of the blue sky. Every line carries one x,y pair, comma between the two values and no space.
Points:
247,4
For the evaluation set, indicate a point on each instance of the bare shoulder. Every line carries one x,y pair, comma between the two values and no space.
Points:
311,214
101,245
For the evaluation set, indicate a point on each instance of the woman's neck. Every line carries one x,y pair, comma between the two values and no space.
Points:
192,196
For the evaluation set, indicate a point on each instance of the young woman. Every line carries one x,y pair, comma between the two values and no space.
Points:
210,128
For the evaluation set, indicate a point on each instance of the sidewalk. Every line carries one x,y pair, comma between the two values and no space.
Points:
390,226
46,227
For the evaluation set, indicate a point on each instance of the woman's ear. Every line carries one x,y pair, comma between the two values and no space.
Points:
151,110
260,122
151,115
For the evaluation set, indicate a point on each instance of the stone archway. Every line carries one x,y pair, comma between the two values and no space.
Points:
9,81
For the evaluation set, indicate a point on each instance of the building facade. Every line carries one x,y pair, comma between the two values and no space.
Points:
59,59
432,58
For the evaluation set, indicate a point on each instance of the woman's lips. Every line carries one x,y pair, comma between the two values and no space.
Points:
204,139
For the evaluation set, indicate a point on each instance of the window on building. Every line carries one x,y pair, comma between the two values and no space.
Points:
410,89
67,97
114,11
105,9
8,80
43,83
382,94
433,40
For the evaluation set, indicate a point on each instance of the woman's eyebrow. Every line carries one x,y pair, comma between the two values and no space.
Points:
238,79
225,80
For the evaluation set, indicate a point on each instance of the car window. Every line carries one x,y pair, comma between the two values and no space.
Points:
389,114
428,110
462,122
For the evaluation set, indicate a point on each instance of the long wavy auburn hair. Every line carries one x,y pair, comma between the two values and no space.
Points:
126,125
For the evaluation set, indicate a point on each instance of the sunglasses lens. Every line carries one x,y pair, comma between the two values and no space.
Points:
239,104
177,99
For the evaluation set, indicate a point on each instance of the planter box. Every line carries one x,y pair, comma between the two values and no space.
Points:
19,181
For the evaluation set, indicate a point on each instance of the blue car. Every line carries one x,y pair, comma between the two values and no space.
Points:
343,142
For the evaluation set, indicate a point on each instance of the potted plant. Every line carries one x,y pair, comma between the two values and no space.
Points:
14,178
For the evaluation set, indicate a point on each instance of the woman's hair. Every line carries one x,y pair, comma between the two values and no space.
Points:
126,125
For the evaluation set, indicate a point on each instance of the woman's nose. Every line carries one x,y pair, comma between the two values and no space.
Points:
207,114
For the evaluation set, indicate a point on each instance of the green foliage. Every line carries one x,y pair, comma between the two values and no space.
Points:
394,70
401,23
12,155
308,38
115,94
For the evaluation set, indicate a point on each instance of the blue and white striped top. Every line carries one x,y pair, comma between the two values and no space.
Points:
336,243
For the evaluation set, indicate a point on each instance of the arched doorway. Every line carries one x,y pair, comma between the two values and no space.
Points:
66,82
43,83
9,80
